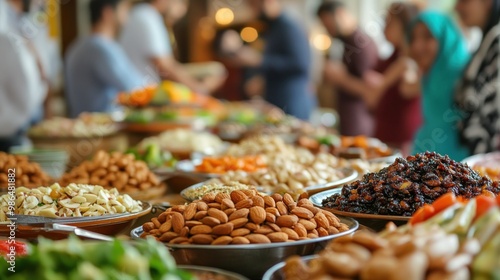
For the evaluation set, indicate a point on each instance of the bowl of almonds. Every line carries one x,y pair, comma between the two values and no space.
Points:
260,230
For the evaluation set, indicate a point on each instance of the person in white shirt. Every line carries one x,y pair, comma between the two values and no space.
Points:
145,39
22,90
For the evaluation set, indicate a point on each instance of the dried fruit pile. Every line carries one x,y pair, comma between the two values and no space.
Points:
28,174
242,217
408,184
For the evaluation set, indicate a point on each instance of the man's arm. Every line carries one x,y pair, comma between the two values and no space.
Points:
169,68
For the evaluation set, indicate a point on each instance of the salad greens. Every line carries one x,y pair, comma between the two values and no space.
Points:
74,259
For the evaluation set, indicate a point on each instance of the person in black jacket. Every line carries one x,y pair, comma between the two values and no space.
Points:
478,95
285,63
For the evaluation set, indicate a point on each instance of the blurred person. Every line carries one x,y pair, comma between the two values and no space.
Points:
146,40
285,64
97,68
23,19
439,49
396,107
360,56
478,94
22,90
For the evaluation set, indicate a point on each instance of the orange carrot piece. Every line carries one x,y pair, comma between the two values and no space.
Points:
444,202
484,204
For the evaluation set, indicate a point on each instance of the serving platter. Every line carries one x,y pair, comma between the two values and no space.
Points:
373,221
107,224
490,160
252,260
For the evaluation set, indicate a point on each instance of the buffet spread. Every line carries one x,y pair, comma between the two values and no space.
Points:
272,198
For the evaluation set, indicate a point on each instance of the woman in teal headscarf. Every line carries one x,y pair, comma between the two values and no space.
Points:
440,51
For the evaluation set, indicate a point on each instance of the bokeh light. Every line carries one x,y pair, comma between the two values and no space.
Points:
224,16
249,34
321,42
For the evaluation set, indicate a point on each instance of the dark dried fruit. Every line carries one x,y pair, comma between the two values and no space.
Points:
407,184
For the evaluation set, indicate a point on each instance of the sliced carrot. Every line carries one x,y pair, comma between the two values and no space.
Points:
429,211
418,216
444,202
484,204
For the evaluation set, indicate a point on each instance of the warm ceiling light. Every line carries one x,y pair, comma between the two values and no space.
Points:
249,34
224,16
321,42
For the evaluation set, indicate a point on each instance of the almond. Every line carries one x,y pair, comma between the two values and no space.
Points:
258,201
269,201
237,196
202,206
304,195
332,219
221,196
304,201
332,230
166,226
218,214
184,232
148,226
246,203
265,229
209,197
274,227
321,220
200,229
257,215
210,221
240,222
312,235
307,224
201,239
311,208
300,230
179,240
252,226
273,210
190,211
322,232
200,215
227,203
155,232
215,205
287,221
155,222
240,240
277,237
270,218
277,197
162,217
191,224
222,240
314,231
240,232
229,211
224,229
282,209
255,238
292,206
249,193
177,222
167,236
302,212
240,213
343,227
291,233
179,208
288,199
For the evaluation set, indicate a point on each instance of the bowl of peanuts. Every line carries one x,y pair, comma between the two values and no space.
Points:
244,231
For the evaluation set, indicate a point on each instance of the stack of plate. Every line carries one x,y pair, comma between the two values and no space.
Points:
52,161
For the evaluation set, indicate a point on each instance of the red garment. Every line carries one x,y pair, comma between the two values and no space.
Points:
397,118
